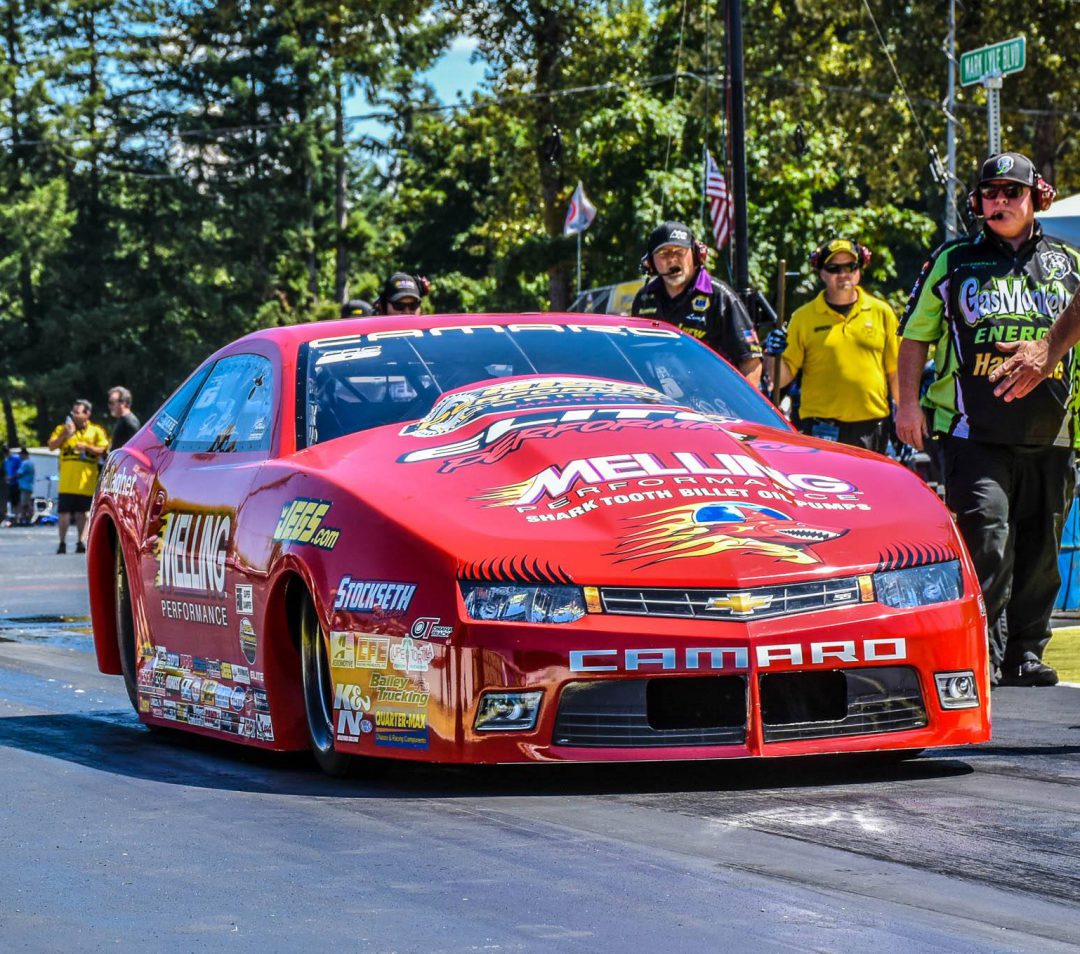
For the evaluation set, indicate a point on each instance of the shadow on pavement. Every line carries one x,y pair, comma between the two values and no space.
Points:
115,742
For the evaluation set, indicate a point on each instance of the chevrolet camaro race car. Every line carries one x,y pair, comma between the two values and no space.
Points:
523,538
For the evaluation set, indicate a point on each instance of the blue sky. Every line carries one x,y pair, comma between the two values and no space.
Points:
452,75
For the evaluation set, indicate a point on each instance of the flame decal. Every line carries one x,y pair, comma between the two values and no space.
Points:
703,529
505,495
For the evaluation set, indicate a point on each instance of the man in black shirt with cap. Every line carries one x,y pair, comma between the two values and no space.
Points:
401,294
684,294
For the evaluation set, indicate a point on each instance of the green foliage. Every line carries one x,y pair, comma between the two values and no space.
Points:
173,176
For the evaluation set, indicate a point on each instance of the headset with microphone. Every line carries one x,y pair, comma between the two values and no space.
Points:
647,265
820,254
1042,195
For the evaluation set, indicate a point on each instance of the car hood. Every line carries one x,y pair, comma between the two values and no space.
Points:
651,495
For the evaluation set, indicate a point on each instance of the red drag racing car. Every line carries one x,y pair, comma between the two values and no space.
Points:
510,538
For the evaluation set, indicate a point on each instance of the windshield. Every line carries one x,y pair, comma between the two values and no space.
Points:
364,381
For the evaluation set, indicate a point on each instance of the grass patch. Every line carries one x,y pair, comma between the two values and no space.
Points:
1063,653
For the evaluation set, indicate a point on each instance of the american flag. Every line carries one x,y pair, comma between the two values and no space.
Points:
716,191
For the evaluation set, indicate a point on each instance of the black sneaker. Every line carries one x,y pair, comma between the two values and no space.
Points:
80,547
62,548
1032,671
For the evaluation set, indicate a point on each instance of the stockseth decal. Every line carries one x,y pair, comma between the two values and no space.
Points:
737,658
457,409
245,600
554,483
373,596
700,530
301,521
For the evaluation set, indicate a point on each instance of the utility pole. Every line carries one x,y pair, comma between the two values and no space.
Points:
950,135
741,259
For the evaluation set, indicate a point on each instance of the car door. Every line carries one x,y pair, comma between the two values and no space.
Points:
196,581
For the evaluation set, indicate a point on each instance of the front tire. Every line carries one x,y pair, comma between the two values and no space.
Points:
125,628
319,693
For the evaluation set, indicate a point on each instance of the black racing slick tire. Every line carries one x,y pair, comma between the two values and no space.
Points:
319,694
125,628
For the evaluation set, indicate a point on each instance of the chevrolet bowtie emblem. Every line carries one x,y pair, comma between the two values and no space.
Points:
739,604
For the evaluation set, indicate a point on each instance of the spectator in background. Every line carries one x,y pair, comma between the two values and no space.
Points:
82,444
683,294
401,294
25,480
10,501
357,308
3,483
1008,464
126,424
844,343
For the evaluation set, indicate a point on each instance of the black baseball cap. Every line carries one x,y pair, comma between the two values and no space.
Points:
1008,167
671,233
356,308
400,285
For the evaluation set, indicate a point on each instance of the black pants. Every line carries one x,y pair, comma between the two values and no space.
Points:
872,434
1010,505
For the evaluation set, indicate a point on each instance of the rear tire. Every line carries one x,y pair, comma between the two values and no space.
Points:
319,694
125,628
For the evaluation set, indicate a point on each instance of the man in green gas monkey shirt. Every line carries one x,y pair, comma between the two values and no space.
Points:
1008,465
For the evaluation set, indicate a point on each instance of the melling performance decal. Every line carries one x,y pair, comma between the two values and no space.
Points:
191,553
455,410
301,521
641,474
702,529
502,437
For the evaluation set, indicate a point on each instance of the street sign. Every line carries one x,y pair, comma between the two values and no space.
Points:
997,59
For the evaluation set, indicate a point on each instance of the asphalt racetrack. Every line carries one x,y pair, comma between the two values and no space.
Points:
117,838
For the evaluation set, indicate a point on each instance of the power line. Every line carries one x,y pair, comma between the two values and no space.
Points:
646,82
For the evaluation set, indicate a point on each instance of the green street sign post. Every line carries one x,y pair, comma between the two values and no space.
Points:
987,65
997,59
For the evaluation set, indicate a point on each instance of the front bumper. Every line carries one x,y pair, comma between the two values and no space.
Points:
620,688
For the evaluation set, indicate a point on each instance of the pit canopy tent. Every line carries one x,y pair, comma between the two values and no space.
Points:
1062,220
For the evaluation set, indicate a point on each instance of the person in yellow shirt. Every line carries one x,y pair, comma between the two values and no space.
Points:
845,344
82,444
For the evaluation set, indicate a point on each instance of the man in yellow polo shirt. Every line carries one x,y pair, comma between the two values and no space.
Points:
82,444
845,344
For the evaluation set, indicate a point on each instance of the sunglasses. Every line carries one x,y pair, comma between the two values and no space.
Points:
1011,191
837,269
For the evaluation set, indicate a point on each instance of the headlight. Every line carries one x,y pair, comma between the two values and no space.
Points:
500,711
510,602
919,585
